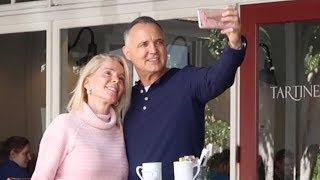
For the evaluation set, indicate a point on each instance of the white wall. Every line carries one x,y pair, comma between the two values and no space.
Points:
39,11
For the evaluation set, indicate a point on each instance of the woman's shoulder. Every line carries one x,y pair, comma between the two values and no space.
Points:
61,127
65,120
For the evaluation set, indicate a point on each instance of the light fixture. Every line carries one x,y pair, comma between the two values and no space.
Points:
267,74
91,51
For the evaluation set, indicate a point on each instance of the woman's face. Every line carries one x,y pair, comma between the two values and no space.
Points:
107,84
22,157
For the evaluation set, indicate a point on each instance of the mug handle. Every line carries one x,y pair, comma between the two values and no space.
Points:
198,171
138,168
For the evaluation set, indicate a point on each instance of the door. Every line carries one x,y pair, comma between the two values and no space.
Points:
280,91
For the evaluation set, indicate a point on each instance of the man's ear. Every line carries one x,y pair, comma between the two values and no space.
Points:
12,154
125,51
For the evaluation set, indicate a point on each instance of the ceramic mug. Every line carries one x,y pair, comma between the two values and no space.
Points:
183,170
150,171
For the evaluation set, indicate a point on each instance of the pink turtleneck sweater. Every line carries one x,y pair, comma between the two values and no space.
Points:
82,146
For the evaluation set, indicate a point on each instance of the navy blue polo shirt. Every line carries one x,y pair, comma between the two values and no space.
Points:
167,122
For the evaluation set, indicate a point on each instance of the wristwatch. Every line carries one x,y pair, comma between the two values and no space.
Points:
243,44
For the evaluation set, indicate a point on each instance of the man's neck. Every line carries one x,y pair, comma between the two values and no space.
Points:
149,79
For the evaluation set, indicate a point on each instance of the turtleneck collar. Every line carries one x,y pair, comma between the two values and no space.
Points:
100,121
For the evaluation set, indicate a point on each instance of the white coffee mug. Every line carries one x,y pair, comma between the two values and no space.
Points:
150,171
184,170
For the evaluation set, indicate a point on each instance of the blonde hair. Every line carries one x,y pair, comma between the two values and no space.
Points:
80,96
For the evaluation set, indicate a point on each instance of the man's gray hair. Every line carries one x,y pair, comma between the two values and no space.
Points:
140,20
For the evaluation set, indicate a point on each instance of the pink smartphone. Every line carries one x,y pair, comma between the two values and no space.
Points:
211,19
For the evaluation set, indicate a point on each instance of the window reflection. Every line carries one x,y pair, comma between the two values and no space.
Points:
5,2
23,92
16,1
289,110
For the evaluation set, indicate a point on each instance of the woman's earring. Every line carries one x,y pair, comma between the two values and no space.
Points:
116,104
89,91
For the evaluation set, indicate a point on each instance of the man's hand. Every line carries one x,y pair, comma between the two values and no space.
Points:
230,14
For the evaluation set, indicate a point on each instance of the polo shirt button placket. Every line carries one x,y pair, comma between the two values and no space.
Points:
145,107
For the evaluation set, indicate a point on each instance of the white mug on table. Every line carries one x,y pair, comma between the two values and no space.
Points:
150,171
183,170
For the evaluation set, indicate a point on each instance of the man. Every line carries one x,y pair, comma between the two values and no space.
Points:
166,117
219,166
283,165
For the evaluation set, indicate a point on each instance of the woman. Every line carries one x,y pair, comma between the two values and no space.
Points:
16,150
87,143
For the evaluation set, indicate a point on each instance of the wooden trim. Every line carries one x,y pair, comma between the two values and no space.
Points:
248,103
251,17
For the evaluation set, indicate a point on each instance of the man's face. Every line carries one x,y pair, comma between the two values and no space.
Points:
22,157
285,167
288,167
146,49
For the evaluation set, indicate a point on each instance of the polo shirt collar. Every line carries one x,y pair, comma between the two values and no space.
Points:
167,75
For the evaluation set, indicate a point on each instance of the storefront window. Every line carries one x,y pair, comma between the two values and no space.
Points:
289,100
23,86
